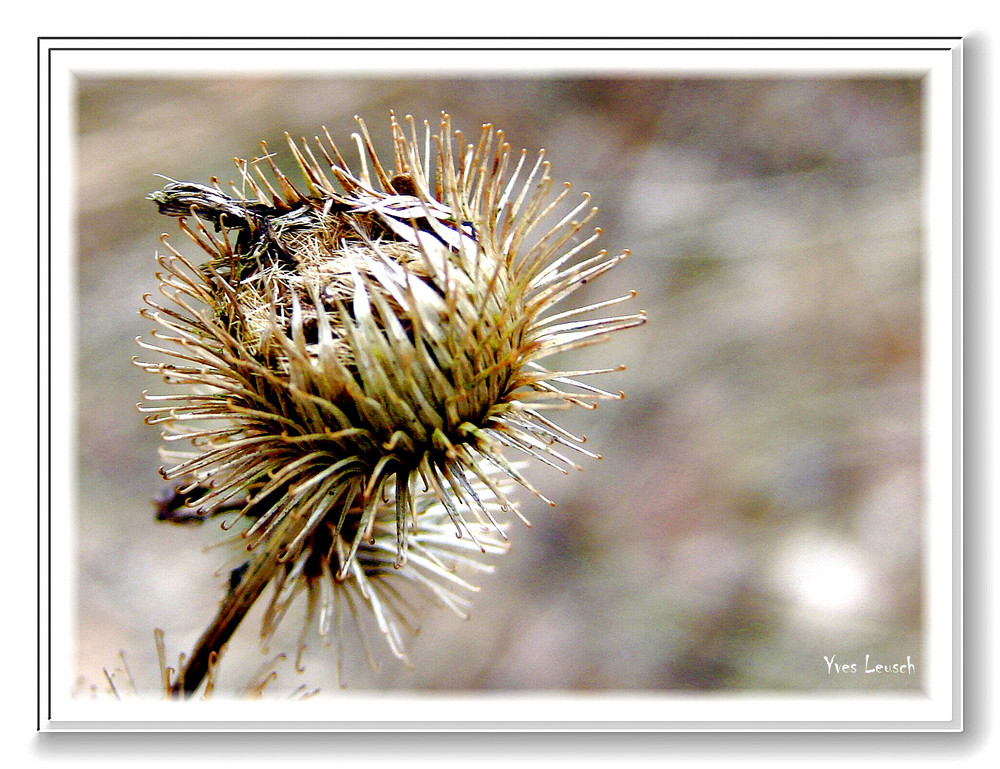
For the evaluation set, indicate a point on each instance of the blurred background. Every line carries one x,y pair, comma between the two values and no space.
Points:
759,503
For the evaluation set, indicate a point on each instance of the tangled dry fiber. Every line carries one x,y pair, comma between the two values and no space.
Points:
357,357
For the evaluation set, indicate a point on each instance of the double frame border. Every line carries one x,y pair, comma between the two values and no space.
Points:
938,61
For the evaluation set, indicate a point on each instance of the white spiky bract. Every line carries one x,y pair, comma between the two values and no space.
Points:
356,359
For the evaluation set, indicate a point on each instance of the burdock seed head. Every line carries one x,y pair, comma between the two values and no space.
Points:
362,349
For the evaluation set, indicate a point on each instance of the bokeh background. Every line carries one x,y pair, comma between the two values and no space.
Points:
759,503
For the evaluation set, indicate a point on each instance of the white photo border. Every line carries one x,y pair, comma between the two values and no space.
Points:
937,60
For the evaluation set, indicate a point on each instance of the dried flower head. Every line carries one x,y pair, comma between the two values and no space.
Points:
356,358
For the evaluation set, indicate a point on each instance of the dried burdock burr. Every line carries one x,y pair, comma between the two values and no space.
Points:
360,360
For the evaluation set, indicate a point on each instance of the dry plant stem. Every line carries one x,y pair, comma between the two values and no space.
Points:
231,612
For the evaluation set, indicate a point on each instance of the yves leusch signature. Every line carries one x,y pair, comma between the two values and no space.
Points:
869,667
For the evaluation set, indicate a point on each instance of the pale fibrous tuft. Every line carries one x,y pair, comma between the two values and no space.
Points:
360,362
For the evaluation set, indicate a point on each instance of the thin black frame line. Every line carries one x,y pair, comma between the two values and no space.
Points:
506,37
38,387
519,50
49,339
50,52
48,370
